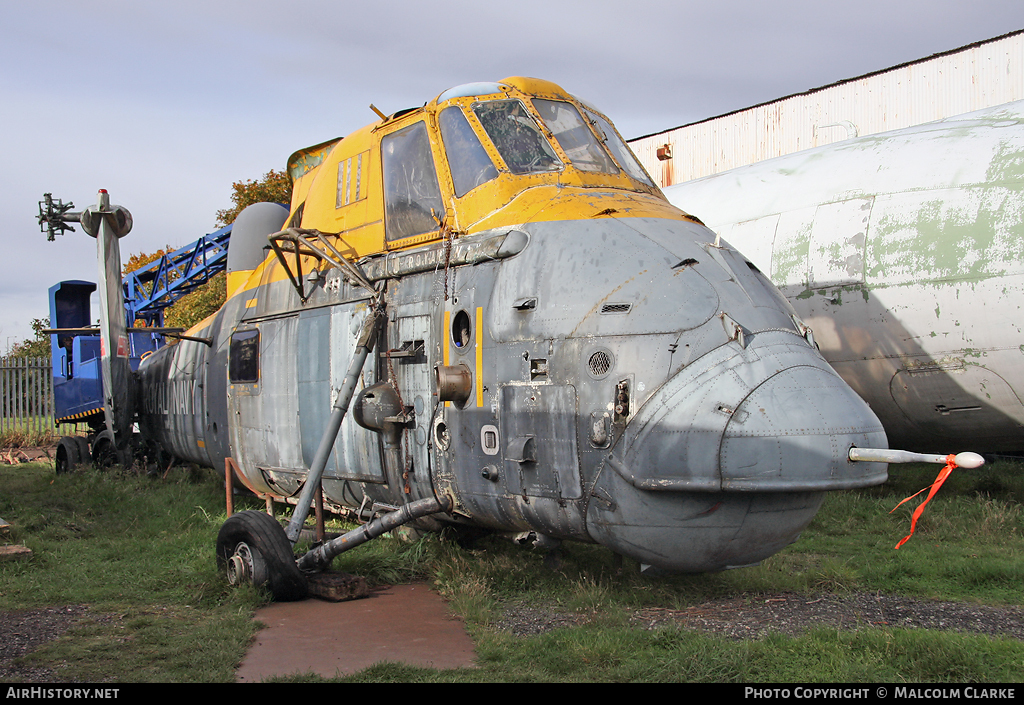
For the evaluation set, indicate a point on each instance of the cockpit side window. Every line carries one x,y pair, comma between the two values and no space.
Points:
468,160
412,197
517,136
620,150
574,136
244,357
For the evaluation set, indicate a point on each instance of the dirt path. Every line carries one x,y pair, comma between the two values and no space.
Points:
13,455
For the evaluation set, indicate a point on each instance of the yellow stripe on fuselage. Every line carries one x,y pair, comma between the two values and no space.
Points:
479,356
447,341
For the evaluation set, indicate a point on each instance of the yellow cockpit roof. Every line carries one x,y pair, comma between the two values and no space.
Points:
456,166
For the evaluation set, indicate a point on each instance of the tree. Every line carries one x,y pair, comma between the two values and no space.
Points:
34,347
274,187
140,260
198,303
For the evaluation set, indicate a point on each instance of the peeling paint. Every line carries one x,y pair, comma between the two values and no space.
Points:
953,235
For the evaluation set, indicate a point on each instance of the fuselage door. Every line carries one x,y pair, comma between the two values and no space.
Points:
406,365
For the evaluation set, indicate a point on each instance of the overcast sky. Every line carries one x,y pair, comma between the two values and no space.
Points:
165,104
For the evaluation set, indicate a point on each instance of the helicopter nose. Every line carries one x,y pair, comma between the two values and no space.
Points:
793,432
729,460
770,417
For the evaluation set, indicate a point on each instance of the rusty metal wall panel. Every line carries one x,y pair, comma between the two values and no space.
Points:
972,78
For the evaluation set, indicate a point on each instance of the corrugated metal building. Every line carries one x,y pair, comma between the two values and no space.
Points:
973,77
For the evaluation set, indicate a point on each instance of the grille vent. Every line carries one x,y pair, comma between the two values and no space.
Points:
616,308
600,363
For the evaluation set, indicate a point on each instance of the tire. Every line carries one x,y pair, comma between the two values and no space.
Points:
83,449
104,452
68,456
252,547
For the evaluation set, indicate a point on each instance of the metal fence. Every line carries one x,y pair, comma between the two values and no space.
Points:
26,400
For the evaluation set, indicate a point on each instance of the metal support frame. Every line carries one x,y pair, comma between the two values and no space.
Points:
302,242
150,289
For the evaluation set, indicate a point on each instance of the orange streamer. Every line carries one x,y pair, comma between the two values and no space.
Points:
943,474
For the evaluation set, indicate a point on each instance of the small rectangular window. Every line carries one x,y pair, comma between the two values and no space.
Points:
352,179
244,357
517,136
574,136
621,151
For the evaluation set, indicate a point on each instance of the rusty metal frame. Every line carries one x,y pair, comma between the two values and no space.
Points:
303,242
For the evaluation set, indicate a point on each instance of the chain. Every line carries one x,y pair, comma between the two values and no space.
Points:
446,233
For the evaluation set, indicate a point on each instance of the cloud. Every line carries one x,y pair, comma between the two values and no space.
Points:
166,104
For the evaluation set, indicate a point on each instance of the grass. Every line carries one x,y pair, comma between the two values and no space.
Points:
139,552
36,432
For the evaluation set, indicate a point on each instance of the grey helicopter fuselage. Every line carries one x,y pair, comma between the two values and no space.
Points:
619,376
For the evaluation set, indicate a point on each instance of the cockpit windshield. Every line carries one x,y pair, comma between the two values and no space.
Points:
467,159
574,136
619,148
517,136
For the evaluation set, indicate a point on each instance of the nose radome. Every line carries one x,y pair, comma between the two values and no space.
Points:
772,417
793,432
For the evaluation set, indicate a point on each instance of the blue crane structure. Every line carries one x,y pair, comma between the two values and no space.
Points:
148,291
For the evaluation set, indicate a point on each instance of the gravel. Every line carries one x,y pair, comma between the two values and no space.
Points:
24,631
752,617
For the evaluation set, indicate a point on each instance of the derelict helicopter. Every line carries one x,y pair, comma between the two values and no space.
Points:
531,338
902,251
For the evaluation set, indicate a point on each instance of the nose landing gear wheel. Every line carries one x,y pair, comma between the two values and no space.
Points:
253,548
246,566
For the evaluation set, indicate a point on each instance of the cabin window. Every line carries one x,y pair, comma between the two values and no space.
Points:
244,357
412,197
517,136
574,136
467,158
620,150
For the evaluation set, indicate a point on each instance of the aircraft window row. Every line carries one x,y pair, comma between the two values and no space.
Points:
412,197
413,202
574,136
470,165
517,136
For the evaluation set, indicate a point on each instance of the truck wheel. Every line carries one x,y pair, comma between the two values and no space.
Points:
84,453
104,452
253,548
68,455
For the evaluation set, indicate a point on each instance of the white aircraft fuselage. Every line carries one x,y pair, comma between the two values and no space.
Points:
903,253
